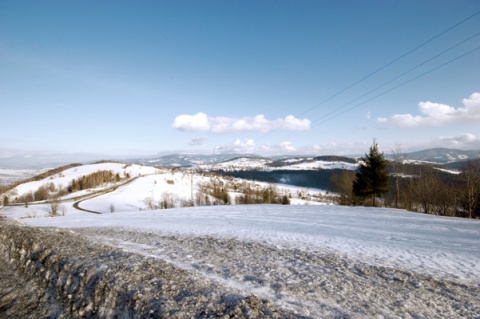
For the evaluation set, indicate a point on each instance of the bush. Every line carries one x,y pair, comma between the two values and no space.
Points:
55,208
42,193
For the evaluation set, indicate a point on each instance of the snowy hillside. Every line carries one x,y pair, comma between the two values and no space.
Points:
319,261
294,164
241,163
182,160
246,162
62,179
147,187
312,164
442,155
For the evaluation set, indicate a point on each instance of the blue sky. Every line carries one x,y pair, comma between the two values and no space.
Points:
144,77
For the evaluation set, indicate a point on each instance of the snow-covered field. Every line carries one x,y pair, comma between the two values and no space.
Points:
318,260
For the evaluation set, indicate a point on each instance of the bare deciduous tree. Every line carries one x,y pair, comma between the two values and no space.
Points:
55,207
342,184
471,174
397,165
148,201
168,201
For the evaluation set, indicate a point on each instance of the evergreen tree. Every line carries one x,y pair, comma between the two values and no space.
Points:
371,179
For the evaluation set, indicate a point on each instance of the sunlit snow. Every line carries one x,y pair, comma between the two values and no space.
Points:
440,246
436,245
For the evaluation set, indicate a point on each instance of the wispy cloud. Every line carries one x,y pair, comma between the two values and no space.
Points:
238,146
280,148
197,141
248,147
436,114
201,122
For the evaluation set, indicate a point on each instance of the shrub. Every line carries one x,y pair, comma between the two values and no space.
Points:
42,193
55,208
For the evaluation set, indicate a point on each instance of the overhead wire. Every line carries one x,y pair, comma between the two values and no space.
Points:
375,72
316,123
395,78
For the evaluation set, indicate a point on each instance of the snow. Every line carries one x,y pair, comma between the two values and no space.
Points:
281,253
425,243
450,171
179,186
240,163
65,177
439,246
245,163
320,165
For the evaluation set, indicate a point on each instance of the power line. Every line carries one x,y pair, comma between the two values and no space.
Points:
399,76
376,71
391,89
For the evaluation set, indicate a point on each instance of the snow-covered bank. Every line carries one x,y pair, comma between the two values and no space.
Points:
309,261
439,246
313,284
58,274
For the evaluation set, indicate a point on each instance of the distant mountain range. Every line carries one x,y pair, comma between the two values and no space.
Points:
442,155
10,160
435,156
248,161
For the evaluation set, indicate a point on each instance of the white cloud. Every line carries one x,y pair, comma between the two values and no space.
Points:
466,142
436,114
280,148
200,122
238,146
197,122
287,147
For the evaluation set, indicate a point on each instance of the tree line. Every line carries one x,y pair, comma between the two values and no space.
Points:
93,180
419,188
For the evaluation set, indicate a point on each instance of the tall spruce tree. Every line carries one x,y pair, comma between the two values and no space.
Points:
371,179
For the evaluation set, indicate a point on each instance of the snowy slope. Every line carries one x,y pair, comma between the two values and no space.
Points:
252,163
148,184
178,187
243,163
440,246
315,164
65,177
